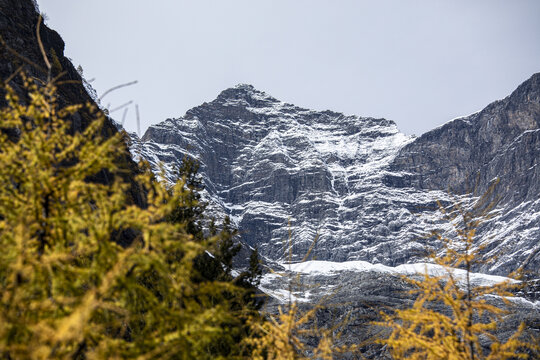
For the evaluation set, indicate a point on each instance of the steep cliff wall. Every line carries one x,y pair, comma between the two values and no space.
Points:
357,185
20,49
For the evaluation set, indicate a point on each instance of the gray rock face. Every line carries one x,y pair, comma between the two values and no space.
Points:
288,176
356,185
18,21
467,154
274,168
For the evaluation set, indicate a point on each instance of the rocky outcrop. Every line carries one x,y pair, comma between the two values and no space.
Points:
465,156
19,49
352,300
274,168
467,153
356,186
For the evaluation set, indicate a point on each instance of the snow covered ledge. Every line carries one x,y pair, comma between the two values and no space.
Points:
328,267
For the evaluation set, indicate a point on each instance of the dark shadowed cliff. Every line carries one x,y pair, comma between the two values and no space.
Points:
20,49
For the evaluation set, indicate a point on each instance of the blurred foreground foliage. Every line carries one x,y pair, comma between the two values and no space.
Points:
67,289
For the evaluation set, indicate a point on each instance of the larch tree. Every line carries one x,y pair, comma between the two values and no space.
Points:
451,317
67,289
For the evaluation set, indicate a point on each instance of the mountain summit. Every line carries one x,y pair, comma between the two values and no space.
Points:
356,185
247,93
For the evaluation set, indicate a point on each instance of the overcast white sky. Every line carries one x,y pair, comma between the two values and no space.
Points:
419,63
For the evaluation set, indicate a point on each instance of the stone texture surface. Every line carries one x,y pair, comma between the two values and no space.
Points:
465,155
274,168
356,185
367,190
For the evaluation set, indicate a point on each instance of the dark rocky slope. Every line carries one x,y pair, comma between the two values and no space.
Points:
352,300
367,189
275,167
19,48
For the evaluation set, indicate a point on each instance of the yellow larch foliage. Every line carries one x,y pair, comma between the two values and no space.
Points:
67,290
283,337
450,318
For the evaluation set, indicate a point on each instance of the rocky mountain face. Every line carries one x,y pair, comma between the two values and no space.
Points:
20,48
356,186
350,297
465,155
344,189
286,174
499,141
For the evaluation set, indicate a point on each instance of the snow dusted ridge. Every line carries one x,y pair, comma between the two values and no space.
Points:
274,167
327,267
363,192
329,283
293,176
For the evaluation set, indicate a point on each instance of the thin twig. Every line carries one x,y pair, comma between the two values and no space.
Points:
23,58
10,77
54,81
138,121
42,49
116,88
121,106
124,116
68,82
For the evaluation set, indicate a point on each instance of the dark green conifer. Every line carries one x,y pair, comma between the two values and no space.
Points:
190,209
226,248
255,268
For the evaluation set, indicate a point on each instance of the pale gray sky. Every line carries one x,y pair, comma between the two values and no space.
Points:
419,63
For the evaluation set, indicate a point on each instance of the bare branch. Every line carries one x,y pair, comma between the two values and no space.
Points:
138,121
23,58
121,106
116,88
42,49
124,116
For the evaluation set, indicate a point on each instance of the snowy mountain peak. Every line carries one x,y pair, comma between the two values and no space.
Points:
244,86
350,182
245,95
